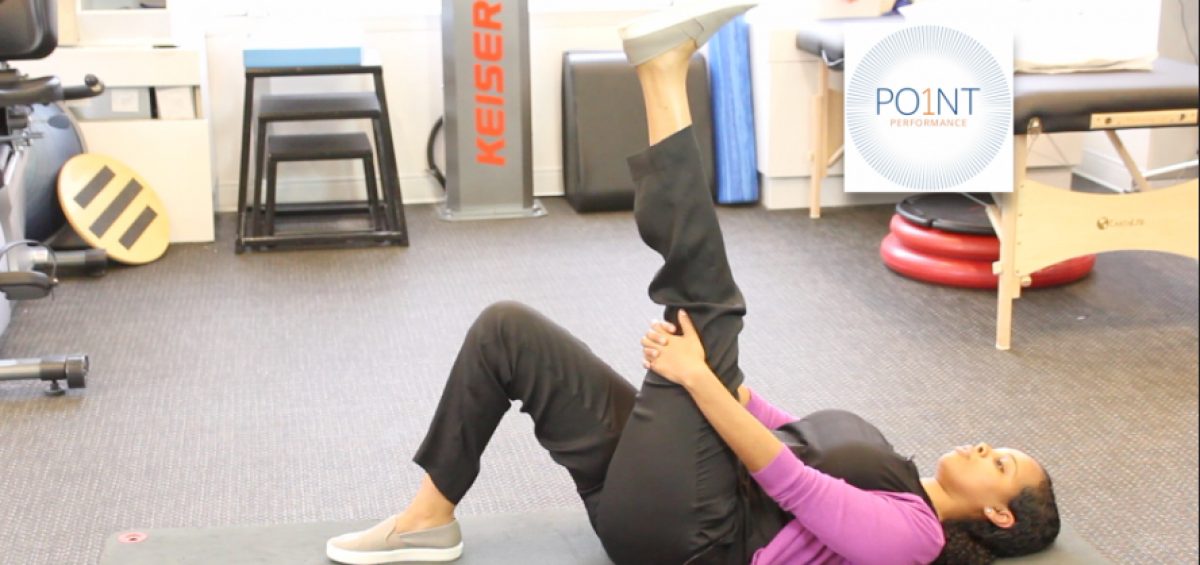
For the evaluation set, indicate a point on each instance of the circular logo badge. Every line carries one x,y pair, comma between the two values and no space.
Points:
928,107
132,537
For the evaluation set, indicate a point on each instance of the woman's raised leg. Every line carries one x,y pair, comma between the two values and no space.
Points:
671,494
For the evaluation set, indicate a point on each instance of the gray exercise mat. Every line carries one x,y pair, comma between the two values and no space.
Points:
547,538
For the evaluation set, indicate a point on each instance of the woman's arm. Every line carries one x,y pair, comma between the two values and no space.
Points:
744,396
770,415
681,360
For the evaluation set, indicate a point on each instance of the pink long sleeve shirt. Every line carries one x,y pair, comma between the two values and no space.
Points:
835,522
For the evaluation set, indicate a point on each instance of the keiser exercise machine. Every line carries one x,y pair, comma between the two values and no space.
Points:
489,153
28,31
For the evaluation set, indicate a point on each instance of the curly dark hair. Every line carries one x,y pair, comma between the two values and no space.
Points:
979,542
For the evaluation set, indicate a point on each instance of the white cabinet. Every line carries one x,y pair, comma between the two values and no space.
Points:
173,155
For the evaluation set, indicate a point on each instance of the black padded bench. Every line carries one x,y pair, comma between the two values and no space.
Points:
604,122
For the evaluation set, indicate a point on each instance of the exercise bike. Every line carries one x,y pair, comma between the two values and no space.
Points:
36,137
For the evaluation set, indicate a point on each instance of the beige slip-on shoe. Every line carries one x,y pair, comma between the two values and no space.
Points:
654,34
381,545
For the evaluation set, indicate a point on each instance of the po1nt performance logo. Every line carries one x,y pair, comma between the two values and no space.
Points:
929,109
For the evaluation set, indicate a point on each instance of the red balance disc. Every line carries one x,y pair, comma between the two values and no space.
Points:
967,273
929,241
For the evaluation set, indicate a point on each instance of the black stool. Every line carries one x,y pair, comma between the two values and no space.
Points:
324,147
387,208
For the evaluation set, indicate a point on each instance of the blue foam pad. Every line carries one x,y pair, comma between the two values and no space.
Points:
733,114
317,57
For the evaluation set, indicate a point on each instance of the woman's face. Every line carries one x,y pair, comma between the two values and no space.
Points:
988,478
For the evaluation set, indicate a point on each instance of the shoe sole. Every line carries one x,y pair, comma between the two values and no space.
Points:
424,554
677,15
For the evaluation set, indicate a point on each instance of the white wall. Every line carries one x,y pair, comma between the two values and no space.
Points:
1155,148
410,49
1177,40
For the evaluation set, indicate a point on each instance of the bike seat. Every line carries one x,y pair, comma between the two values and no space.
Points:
41,90
27,29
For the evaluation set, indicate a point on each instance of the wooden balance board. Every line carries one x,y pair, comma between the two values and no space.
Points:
113,208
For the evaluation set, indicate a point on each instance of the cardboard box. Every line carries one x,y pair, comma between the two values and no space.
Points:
114,104
175,102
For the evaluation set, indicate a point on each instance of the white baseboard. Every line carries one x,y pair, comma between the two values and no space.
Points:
788,193
1058,177
1105,171
1098,180
792,193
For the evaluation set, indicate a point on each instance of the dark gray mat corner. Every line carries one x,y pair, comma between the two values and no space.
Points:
559,537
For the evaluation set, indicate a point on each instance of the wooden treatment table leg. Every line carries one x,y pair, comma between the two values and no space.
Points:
820,140
1004,217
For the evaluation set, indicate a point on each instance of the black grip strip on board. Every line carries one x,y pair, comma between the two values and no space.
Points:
114,210
135,231
94,186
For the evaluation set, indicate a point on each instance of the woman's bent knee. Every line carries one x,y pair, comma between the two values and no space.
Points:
503,313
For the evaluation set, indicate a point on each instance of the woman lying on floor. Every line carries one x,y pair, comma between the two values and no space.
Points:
695,468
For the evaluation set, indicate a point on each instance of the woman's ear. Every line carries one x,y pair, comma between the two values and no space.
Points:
1001,516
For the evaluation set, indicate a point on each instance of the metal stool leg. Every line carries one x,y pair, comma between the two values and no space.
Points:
259,162
247,124
377,222
272,176
389,204
387,162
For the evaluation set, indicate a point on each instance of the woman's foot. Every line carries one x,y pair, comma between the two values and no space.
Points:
393,541
410,521
692,21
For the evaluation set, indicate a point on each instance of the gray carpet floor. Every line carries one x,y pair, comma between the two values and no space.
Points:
286,387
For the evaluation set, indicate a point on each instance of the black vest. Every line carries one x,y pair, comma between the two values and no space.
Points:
839,444
843,445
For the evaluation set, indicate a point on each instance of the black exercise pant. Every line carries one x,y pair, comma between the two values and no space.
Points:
659,484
